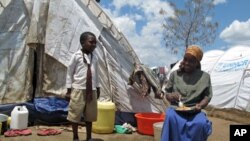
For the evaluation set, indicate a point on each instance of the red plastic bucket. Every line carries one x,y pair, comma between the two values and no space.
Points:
145,122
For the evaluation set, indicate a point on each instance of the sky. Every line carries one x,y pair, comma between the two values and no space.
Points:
141,23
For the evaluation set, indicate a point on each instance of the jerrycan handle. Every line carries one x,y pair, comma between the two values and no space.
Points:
24,109
17,108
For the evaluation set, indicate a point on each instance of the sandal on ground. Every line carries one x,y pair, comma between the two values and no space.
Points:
25,132
11,133
48,132
17,132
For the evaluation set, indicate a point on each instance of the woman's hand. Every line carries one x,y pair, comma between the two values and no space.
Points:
198,107
173,97
202,104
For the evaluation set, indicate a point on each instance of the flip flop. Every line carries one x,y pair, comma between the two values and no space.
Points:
25,132
17,132
48,132
11,133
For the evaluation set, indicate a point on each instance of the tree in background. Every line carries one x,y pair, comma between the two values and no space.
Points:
190,25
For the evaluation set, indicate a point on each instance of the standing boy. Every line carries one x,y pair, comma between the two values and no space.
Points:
83,85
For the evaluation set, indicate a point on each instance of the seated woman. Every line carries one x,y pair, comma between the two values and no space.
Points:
189,91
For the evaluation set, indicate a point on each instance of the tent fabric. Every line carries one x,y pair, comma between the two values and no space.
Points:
47,34
210,58
16,57
229,86
229,71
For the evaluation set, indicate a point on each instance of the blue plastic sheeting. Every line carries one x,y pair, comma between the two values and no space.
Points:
49,118
49,110
51,104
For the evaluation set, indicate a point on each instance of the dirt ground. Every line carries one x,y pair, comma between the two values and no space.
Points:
221,119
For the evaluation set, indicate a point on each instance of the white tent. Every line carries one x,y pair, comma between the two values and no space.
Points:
230,77
38,38
209,59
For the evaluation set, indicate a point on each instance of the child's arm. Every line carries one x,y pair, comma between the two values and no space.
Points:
98,92
67,96
69,77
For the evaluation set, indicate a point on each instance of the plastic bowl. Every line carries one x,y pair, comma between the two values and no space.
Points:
145,122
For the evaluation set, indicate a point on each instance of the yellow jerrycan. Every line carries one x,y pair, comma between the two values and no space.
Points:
105,118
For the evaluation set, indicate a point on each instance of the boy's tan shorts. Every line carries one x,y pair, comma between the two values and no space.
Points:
78,106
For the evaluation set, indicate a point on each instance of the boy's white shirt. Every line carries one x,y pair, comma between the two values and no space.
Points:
87,58
77,71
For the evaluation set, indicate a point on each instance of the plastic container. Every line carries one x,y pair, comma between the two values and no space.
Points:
157,130
105,118
8,122
3,123
145,122
19,117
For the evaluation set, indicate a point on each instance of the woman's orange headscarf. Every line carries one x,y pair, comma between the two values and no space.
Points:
195,51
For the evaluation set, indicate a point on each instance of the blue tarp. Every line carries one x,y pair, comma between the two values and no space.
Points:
49,110
51,104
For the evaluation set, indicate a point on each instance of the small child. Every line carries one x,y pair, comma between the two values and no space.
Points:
83,85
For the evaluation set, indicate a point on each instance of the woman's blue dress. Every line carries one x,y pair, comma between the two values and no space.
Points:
185,126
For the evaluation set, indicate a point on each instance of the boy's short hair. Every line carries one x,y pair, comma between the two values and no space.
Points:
85,35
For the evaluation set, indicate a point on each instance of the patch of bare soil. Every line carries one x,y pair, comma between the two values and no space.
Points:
230,114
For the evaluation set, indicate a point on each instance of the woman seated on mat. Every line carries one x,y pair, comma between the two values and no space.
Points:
188,90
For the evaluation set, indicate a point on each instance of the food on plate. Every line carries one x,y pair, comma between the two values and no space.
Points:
183,108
